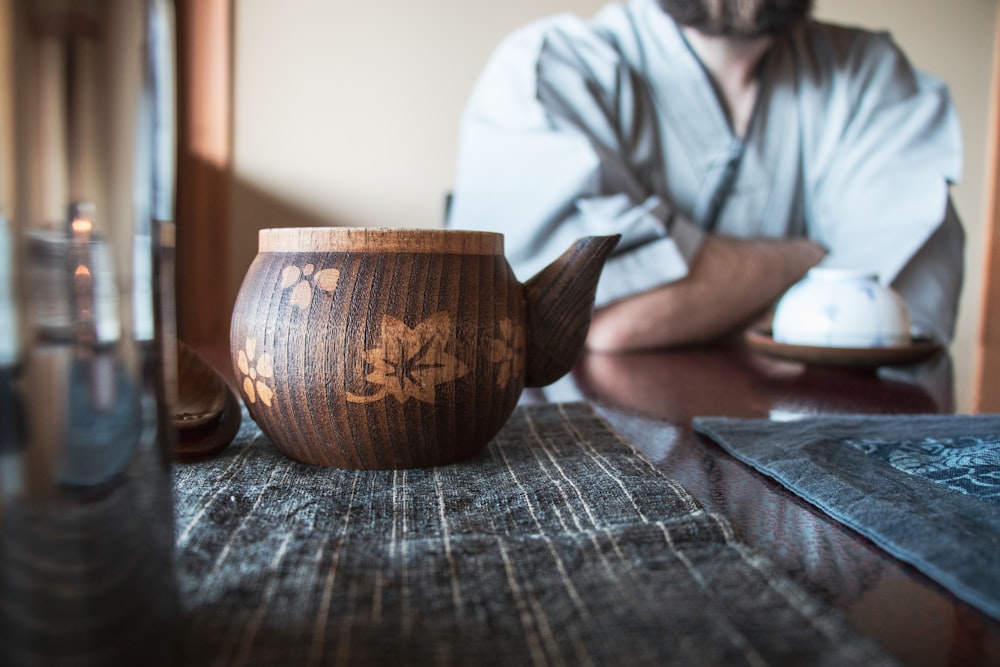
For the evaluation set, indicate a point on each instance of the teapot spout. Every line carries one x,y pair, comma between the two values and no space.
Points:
560,303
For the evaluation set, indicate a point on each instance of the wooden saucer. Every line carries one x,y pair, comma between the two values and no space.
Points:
920,349
208,415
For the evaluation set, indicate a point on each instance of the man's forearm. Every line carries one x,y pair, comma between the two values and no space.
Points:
731,281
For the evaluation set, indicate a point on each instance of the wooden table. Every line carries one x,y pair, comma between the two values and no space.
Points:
652,398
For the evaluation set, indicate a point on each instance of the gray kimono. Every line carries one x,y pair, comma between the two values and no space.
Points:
613,126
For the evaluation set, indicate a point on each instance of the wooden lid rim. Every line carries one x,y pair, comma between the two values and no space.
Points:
370,239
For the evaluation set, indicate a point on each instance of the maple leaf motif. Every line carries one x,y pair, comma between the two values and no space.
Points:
412,362
508,352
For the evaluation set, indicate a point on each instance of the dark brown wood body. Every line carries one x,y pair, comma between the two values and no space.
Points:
463,315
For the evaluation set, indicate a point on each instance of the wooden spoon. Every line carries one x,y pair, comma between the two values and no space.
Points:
207,415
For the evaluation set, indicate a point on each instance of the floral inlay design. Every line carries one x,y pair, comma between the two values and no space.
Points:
508,352
303,281
255,371
411,363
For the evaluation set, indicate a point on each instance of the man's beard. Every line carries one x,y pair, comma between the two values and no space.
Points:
738,18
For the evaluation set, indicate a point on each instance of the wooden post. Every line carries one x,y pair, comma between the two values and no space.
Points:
986,394
204,166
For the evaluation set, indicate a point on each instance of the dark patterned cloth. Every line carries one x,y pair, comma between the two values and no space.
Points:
968,464
560,544
924,488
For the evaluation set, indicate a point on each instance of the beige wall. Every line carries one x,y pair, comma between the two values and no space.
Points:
952,40
378,88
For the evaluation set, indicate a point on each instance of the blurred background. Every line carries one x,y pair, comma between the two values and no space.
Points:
319,112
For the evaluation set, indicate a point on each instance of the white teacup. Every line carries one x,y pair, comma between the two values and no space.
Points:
841,308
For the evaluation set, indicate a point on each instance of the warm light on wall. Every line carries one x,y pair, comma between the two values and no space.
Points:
208,100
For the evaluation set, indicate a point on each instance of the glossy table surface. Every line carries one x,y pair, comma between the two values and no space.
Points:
651,399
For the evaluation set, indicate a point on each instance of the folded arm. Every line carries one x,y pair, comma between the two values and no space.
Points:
730,282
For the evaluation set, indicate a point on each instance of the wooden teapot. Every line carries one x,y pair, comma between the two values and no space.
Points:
401,348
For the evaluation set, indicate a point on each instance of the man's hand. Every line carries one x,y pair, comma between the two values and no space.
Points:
730,282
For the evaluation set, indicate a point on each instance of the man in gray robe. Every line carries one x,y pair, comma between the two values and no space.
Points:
733,143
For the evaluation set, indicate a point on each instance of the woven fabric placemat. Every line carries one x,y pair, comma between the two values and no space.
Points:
560,544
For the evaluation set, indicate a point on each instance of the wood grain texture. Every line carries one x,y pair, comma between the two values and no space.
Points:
397,367
368,239
986,390
560,305
388,359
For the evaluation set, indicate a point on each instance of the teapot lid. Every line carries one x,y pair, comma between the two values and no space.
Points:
371,239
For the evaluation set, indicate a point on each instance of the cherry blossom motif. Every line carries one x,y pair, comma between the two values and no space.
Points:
299,280
411,362
508,352
255,371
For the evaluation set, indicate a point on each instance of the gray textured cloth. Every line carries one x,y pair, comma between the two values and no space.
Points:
921,487
560,544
